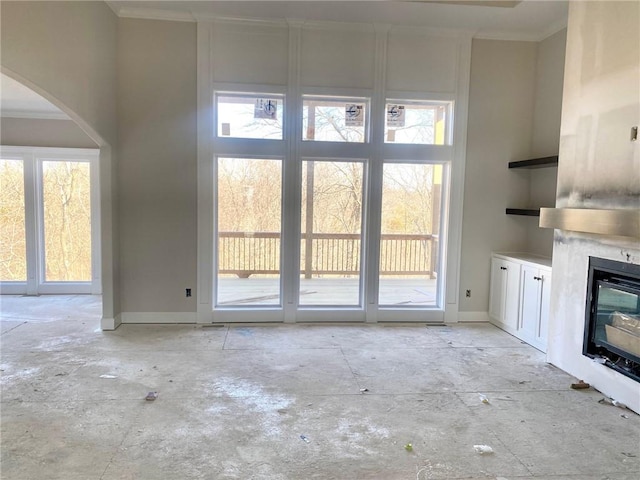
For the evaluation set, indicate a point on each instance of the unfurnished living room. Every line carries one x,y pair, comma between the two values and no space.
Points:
331,240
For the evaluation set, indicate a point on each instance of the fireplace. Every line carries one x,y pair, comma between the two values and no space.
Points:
612,323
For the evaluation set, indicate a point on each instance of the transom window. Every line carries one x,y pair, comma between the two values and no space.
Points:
417,122
335,119
255,115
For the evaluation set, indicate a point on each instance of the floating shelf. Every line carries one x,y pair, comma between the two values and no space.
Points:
536,162
527,212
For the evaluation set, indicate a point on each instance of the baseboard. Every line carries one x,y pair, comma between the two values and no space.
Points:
473,317
159,317
110,323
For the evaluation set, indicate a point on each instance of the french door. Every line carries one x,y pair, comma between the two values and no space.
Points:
50,221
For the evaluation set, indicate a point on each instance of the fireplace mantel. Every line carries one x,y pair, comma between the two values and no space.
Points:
618,222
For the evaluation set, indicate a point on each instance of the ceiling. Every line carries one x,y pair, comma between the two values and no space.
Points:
18,101
531,20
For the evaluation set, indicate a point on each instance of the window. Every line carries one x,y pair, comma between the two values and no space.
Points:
334,119
417,122
13,249
49,221
241,115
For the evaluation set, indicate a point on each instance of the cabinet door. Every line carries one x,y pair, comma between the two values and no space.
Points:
545,300
503,298
511,273
530,306
498,289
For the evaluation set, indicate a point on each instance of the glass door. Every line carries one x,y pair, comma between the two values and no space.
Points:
249,232
410,225
331,233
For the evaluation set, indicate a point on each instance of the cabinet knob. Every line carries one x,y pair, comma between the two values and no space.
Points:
503,268
537,278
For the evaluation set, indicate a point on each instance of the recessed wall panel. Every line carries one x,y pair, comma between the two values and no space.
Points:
249,53
423,63
337,58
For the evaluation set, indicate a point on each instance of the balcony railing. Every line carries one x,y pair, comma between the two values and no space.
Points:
250,253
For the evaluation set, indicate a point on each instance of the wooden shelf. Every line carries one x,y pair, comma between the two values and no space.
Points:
527,212
536,162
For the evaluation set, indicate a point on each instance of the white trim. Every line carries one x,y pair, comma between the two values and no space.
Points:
206,126
248,88
521,36
110,323
473,317
246,315
410,315
453,234
151,13
159,317
34,115
13,288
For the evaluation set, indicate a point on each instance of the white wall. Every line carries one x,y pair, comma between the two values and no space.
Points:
37,132
545,139
157,175
66,52
514,114
501,103
599,168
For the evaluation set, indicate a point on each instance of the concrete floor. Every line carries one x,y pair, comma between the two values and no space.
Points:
234,401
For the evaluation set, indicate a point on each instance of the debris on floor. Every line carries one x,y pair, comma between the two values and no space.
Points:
363,390
627,454
483,398
483,449
580,385
624,416
408,447
108,376
151,396
611,401
305,439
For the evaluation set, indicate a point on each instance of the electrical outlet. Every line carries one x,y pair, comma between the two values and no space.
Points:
188,292
468,294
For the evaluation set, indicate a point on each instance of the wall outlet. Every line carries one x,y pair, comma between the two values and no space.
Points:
188,292
468,294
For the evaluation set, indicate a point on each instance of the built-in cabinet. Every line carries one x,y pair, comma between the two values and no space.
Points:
519,296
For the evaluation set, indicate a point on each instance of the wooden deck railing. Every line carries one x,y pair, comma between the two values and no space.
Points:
249,253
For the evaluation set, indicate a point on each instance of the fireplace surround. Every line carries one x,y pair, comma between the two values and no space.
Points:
612,319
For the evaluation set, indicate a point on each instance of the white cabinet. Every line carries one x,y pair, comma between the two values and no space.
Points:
535,283
519,299
505,287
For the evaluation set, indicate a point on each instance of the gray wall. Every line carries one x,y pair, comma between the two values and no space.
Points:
35,132
515,100
157,175
546,134
501,102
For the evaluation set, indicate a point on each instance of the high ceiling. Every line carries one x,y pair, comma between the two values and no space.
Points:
516,20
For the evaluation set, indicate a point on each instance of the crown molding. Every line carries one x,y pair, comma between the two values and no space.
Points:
187,16
34,115
151,13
